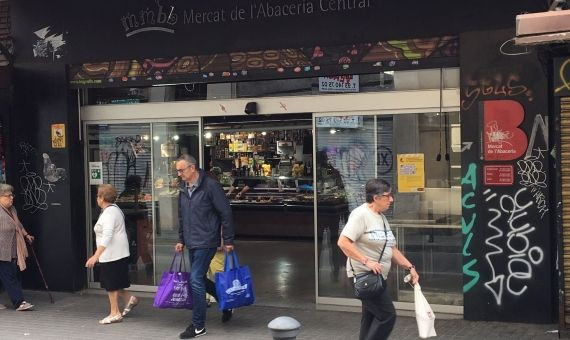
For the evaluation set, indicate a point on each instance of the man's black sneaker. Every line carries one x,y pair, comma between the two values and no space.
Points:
192,332
227,315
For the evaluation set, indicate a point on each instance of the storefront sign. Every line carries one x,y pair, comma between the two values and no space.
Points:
348,83
95,173
411,174
499,175
504,140
347,122
90,31
58,136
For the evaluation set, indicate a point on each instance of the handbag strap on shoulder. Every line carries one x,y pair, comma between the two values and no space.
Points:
383,248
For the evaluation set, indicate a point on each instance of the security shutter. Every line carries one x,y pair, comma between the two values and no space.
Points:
565,170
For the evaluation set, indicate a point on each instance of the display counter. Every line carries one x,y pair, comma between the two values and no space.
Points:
282,210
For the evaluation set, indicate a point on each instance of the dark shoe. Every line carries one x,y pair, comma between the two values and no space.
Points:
227,315
192,332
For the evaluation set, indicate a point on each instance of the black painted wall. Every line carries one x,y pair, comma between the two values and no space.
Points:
50,201
508,253
98,31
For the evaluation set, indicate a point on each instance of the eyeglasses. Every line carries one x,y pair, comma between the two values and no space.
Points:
182,170
386,194
8,195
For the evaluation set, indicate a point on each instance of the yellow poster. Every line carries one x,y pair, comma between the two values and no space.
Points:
411,175
58,136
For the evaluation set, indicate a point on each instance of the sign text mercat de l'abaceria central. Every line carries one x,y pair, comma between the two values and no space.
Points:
166,18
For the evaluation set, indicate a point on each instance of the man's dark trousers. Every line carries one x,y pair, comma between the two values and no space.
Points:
200,260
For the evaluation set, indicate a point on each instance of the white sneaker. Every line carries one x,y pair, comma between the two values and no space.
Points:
25,306
2,306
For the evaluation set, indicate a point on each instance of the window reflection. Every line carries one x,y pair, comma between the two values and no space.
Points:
426,219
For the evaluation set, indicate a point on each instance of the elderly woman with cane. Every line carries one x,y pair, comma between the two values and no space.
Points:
113,254
13,251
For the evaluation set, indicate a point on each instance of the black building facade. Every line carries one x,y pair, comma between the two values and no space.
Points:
510,234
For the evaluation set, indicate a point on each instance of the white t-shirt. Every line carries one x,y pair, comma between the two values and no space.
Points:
110,233
366,229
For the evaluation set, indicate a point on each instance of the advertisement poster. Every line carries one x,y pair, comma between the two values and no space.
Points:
58,136
411,174
95,173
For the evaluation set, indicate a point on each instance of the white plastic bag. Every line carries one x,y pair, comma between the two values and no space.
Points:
424,315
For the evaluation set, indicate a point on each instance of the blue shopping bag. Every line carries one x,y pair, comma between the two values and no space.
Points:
174,289
234,285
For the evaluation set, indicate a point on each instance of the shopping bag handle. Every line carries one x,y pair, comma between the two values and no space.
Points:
227,264
180,264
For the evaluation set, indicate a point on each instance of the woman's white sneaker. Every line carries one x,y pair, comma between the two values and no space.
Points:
25,306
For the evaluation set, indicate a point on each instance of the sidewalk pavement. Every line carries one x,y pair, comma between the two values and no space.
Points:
75,316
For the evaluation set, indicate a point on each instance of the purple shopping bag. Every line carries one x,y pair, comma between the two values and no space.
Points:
174,290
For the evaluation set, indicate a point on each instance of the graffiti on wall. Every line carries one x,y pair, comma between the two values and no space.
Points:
510,232
469,185
36,189
510,213
48,44
499,86
507,257
532,169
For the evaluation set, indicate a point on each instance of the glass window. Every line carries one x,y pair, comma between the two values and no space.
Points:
373,82
139,160
415,153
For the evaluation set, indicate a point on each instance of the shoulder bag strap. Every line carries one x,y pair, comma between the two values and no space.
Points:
383,248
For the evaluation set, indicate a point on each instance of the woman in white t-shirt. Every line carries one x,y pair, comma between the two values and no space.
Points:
113,254
362,241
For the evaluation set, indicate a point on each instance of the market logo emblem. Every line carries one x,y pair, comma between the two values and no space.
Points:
146,20
237,288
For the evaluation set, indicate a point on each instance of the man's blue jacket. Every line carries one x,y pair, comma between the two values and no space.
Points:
203,214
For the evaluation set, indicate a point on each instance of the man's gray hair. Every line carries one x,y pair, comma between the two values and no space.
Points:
6,189
189,159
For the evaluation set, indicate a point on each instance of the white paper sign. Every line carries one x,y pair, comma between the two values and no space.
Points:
95,173
347,83
350,122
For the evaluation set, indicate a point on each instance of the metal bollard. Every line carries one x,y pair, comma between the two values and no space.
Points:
284,328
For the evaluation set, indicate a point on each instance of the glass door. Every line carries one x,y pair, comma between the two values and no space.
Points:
169,141
138,159
123,154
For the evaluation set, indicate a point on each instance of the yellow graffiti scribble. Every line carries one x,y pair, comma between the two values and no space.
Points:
565,84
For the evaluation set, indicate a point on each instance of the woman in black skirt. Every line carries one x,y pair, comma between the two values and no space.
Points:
113,254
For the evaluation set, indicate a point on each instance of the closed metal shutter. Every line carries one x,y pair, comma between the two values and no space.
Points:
565,170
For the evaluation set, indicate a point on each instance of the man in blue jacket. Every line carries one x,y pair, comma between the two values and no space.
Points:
203,208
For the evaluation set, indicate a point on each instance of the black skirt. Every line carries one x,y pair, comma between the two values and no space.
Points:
114,275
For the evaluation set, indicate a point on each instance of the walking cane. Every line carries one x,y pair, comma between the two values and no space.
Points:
41,273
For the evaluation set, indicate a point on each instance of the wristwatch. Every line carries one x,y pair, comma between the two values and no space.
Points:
410,268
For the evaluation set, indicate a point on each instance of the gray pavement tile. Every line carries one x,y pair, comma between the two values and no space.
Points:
75,316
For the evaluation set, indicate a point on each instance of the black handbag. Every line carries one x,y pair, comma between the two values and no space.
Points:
369,285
